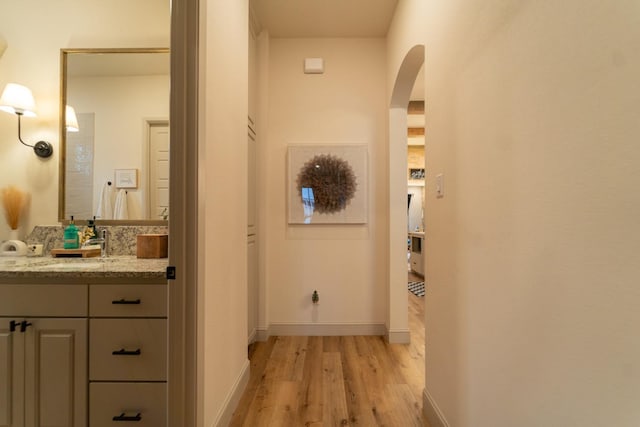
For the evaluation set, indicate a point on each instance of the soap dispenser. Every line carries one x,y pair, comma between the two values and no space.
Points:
91,225
71,240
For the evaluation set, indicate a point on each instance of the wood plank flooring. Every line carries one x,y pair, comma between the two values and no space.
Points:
336,381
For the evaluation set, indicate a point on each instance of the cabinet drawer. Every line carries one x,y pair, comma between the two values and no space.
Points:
128,349
139,404
43,300
128,301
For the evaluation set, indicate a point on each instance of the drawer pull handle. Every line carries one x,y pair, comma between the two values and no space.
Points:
126,301
123,417
13,325
123,352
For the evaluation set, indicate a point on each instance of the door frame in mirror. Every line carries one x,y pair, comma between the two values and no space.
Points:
64,52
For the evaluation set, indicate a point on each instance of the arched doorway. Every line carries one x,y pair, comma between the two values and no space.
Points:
398,313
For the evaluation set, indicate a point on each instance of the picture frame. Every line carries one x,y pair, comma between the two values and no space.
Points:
327,184
126,178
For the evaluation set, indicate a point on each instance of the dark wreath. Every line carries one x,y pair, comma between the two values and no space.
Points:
332,181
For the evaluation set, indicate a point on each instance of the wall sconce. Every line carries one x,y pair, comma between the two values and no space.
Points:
18,99
71,121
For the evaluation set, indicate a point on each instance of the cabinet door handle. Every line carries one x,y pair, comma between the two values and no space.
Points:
123,417
123,352
125,301
12,325
23,325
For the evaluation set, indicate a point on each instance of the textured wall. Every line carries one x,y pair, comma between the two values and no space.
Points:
345,105
531,258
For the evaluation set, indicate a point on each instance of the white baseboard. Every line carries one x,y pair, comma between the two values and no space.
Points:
326,329
399,336
432,412
231,402
252,337
262,334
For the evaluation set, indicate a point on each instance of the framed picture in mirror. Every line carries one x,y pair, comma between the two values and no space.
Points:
126,178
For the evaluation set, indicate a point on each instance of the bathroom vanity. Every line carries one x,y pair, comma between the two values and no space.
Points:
83,341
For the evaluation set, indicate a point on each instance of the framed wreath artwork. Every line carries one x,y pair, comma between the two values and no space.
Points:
327,184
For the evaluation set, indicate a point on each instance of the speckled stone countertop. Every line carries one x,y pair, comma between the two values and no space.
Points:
113,267
122,238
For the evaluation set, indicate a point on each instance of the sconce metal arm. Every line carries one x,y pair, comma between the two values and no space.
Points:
41,148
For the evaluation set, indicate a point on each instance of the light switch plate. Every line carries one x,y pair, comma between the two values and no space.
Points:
439,185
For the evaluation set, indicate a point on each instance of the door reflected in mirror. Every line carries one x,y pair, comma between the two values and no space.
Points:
115,156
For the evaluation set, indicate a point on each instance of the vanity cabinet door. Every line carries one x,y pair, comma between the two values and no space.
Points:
43,365
55,359
11,376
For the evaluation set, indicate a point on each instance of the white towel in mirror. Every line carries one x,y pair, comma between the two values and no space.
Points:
121,211
105,204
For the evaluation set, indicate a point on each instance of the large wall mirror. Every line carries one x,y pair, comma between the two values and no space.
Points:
114,143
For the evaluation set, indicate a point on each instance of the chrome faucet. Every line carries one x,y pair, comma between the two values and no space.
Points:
102,241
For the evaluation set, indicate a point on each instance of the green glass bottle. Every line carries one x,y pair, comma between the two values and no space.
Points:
71,240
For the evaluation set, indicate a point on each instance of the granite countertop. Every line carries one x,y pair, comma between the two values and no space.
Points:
113,267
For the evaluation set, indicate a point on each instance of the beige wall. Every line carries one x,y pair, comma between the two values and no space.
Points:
344,263
222,289
532,260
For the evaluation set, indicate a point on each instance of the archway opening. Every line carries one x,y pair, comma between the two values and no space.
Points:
398,321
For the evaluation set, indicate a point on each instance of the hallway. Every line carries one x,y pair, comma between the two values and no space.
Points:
331,381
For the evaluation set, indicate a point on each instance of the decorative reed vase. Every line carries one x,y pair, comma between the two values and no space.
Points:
13,234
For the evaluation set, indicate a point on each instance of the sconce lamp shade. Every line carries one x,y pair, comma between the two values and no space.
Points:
18,99
71,119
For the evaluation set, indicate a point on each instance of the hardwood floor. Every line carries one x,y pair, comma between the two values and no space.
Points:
336,381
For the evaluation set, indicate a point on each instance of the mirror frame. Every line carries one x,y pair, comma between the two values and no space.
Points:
63,133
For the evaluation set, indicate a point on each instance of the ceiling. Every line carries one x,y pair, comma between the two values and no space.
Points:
324,18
